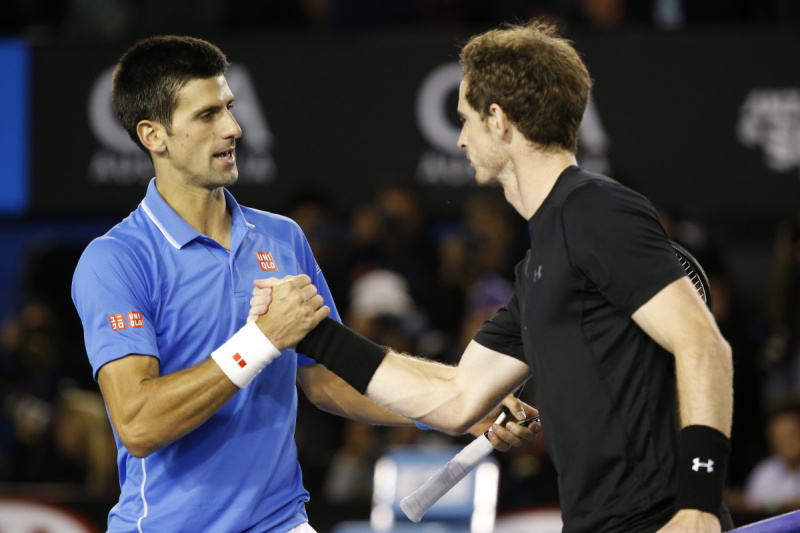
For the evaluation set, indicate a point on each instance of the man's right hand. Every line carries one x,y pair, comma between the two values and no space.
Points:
294,309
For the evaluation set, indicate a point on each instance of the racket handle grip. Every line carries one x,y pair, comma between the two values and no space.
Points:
417,504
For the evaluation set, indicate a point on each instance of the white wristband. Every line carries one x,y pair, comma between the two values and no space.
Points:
245,354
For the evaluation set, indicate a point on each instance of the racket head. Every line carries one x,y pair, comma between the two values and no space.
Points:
695,272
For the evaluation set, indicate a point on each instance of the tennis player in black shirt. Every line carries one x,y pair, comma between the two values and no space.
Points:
631,376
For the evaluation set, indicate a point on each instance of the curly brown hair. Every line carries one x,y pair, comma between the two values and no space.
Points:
535,75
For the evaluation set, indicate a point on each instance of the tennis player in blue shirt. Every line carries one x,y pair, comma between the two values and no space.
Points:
202,402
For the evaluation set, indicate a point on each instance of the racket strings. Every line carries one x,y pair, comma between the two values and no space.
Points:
694,277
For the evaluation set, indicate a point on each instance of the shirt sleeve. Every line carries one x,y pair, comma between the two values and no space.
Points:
502,333
110,293
615,239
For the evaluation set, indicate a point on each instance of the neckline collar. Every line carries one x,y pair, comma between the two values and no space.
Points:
175,229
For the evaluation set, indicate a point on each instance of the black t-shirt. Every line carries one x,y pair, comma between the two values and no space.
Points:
606,391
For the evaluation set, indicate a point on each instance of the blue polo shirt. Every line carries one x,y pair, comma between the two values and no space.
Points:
154,286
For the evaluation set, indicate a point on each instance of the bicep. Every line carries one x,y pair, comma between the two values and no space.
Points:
675,316
487,373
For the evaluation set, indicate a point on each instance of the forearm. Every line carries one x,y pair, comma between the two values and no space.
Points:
156,411
705,397
422,391
332,394
451,399
704,372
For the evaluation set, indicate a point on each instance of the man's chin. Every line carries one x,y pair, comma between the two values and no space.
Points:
486,180
232,176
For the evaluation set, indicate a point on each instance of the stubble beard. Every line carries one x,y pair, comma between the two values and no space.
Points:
487,176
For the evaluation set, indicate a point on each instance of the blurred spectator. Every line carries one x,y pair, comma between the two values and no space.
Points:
392,233
486,240
324,229
774,485
52,430
381,309
82,434
603,15
780,355
349,478
528,477
489,293
484,244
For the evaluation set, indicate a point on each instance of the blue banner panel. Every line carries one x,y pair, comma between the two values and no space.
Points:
14,125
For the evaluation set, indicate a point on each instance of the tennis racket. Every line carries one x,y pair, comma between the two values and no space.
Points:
695,272
418,503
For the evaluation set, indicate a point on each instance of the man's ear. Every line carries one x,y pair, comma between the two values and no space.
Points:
152,135
499,122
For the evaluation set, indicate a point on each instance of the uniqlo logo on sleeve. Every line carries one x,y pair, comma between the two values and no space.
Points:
117,321
266,262
240,360
135,319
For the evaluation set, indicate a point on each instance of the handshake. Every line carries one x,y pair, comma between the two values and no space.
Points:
294,308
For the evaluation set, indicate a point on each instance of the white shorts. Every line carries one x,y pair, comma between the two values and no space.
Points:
302,528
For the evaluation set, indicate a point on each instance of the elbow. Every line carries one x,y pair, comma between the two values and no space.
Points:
462,427
322,397
458,429
462,420
138,443
138,452
720,351
711,355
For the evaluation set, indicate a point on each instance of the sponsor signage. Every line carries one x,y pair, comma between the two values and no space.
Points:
706,123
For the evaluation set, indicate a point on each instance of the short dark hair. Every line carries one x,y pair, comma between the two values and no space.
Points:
537,77
150,74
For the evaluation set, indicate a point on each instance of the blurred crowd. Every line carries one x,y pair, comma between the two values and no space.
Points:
41,20
424,285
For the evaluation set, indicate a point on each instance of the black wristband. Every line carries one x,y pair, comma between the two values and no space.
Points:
344,352
703,459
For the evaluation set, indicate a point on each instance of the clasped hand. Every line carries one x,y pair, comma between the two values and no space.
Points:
294,308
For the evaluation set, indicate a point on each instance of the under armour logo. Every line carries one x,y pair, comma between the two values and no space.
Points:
709,466
537,274
239,359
